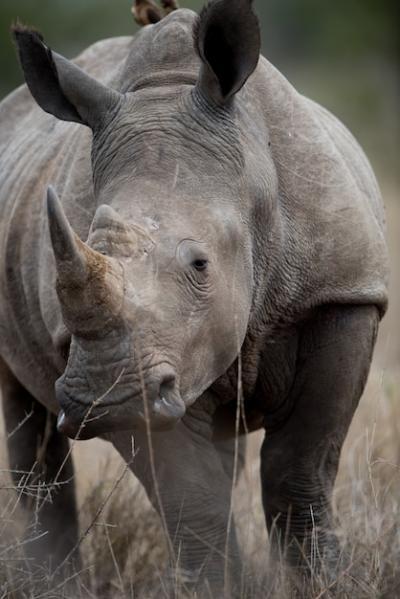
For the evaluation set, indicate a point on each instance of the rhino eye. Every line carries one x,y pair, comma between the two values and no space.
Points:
200,264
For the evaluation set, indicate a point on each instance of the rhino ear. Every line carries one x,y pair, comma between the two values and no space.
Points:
227,39
59,86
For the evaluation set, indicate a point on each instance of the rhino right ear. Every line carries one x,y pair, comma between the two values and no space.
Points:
227,39
59,86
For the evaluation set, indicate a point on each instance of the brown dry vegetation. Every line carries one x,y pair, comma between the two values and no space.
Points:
123,547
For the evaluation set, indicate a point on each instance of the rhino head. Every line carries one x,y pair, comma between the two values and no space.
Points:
157,300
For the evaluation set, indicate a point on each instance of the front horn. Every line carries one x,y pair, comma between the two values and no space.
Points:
88,284
69,250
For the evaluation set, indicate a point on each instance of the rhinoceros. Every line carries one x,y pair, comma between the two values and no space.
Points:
190,250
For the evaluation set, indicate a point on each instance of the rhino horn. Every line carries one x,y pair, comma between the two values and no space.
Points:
90,290
72,255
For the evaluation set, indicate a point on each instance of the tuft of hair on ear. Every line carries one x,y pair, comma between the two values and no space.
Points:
20,29
33,49
30,42
227,38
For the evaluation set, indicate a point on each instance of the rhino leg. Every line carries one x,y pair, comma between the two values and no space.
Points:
300,455
194,481
36,453
226,450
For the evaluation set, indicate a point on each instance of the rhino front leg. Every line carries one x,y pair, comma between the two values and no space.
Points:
300,456
194,490
36,453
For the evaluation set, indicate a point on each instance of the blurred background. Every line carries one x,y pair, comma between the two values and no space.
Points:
345,55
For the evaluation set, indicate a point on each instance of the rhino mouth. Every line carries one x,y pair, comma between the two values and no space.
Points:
86,425
160,407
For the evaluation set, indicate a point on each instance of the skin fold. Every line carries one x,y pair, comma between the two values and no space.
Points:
200,210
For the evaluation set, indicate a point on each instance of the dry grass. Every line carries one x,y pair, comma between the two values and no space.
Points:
125,553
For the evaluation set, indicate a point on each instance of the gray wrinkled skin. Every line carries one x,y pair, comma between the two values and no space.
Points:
277,196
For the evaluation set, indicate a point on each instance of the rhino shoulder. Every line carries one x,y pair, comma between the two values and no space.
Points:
330,205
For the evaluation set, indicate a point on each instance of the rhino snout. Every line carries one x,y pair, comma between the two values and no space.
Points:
159,405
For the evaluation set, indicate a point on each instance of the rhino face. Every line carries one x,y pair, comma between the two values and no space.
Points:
157,300
155,314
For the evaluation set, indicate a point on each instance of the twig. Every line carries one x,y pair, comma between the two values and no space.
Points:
20,424
96,516
234,476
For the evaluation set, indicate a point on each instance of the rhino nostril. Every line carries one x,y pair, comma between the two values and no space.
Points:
61,420
168,405
67,426
167,385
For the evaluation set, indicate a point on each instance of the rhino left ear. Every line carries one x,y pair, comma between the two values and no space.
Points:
58,85
227,39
